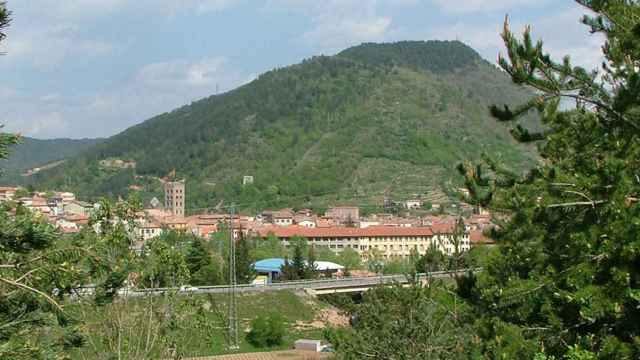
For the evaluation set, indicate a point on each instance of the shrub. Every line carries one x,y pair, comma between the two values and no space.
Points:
266,331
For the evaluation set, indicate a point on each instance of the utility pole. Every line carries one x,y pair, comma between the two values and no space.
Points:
233,312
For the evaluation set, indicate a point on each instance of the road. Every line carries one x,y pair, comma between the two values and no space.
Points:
322,285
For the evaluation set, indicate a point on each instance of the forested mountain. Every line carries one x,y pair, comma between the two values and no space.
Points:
374,118
32,152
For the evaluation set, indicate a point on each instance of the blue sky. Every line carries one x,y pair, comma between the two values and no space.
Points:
92,68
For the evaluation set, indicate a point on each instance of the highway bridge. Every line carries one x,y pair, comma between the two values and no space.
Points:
314,287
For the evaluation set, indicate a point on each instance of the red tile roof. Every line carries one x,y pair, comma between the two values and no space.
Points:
443,228
476,237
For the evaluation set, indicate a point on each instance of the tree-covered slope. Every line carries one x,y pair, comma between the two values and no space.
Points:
35,152
376,117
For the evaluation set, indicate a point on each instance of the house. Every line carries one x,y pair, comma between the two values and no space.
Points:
205,224
477,238
40,205
174,223
305,212
344,215
66,226
78,207
148,230
305,221
413,204
56,204
79,220
367,223
66,197
479,222
324,223
282,217
7,193
247,180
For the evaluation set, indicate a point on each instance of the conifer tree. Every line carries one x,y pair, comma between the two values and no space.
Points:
244,261
298,263
567,268
311,270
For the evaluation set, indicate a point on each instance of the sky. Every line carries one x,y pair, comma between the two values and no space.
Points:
92,68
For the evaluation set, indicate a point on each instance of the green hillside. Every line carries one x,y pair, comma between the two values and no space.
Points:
374,118
35,152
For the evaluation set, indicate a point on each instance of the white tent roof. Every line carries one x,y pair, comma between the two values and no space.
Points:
327,265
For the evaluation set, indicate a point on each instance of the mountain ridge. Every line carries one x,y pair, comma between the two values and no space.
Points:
346,125
32,152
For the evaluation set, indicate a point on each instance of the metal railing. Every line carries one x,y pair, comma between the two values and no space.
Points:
285,285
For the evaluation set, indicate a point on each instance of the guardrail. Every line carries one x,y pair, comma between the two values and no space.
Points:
285,285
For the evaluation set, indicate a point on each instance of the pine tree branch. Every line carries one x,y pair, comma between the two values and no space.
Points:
34,290
577,203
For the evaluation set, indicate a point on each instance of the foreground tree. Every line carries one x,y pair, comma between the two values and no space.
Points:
405,323
567,270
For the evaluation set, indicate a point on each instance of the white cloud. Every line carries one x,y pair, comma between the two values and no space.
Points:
334,34
50,97
85,10
176,73
336,24
469,6
7,93
562,34
46,47
205,6
60,30
43,124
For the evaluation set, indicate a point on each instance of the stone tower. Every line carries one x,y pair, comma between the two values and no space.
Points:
174,197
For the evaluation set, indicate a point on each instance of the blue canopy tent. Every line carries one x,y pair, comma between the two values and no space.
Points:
271,267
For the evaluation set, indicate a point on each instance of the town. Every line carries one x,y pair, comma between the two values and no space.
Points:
339,228
320,180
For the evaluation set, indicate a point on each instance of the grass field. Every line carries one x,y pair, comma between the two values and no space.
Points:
192,326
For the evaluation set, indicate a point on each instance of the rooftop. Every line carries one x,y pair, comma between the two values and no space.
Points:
291,231
275,264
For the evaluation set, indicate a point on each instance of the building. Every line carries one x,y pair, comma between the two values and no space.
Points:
174,197
344,215
413,204
272,268
282,217
388,241
174,223
7,193
66,197
477,238
148,230
303,220
78,207
247,180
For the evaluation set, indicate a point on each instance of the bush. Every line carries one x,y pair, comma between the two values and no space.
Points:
266,331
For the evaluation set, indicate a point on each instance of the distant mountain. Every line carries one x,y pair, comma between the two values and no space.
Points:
372,120
32,152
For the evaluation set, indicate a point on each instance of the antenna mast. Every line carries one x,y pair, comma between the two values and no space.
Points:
233,313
